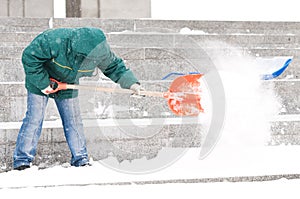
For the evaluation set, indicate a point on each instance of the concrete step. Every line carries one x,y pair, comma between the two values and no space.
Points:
109,129
93,104
135,52
110,141
16,38
194,41
168,134
99,104
222,27
13,24
11,70
171,26
103,142
288,92
167,40
14,73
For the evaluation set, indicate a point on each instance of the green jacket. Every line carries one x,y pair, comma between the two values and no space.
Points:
66,54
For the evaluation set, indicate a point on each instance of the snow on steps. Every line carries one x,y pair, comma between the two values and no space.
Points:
11,24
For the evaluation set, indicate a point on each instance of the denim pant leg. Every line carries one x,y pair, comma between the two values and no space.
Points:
30,130
69,111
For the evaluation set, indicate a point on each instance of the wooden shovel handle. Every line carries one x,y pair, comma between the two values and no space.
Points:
57,86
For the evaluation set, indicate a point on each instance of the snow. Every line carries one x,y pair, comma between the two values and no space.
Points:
241,151
93,181
279,189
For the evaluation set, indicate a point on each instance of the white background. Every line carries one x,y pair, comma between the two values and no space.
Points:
225,10
246,10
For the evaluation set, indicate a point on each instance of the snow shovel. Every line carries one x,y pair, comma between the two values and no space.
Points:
183,95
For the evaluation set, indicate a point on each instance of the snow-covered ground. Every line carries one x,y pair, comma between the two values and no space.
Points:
247,190
94,181
241,151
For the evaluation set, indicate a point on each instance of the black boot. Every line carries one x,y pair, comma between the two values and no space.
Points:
22,167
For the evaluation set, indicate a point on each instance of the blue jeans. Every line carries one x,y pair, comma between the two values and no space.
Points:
31,128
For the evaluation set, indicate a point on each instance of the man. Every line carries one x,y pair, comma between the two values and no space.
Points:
65,54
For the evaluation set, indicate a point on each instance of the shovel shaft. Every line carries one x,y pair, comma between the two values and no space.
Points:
64,86
114,90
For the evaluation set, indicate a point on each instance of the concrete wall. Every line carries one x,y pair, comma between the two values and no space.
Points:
116,9
90,8
3,8
86,8
129,8
26,8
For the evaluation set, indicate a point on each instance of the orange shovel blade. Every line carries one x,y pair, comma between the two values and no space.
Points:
184,95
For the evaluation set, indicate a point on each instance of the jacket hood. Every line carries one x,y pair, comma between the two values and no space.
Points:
85,41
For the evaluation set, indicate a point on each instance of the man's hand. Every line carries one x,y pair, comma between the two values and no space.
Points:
137,88
47,90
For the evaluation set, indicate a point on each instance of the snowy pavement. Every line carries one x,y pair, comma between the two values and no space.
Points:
259,172
277,189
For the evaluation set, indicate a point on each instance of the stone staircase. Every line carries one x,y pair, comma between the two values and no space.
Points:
117,125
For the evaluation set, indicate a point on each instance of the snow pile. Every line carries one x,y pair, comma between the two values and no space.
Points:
250,106
188,31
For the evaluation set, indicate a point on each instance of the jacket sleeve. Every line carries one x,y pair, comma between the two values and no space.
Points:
33,58
114,67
